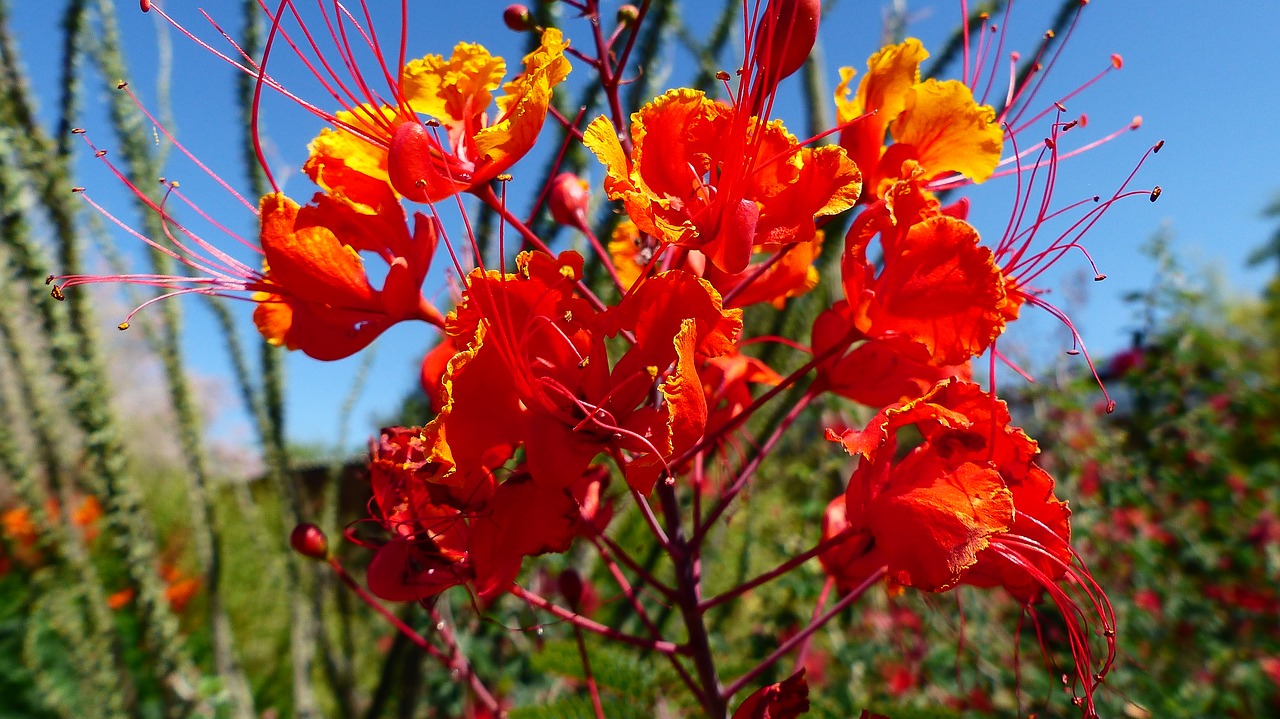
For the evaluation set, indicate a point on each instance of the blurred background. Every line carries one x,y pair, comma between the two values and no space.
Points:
149,478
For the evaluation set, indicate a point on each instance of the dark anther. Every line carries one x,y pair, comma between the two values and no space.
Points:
121,85
1099,277
1155,193
1157,147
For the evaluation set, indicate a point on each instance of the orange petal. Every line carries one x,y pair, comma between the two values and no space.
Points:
943,290
932,522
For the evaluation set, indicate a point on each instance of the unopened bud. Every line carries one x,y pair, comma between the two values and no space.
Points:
628,14
786,36
518,18
308,540
568,199
571,588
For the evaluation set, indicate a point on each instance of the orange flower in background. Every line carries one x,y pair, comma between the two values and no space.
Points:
17,525
179,589
119,600
371,147
937,124
719,181
316,295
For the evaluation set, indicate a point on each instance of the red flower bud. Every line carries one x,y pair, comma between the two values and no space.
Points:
518,18
571,588
786,35
568,199
308,540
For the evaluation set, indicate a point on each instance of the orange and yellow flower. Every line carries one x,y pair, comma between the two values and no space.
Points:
316,295
372,147
936,123
705,176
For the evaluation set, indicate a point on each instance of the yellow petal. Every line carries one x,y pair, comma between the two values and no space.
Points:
523,108
950,130
455,90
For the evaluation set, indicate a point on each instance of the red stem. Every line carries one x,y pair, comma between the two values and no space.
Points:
577,620
804,634
827,586
586,669
455,661
780,570
688,597
745,474
486,195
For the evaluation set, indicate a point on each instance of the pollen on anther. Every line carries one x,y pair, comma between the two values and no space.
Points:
1155,193
504,177
100,153
56,293
122,326
122,85
722,76
1049,34
1158,147
1111,406
1060,106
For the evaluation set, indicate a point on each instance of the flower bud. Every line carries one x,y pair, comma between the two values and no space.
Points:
628,14
571,588
308,540
568,199
786,36
518,18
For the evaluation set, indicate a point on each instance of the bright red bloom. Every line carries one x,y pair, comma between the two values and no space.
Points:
478,533
536,373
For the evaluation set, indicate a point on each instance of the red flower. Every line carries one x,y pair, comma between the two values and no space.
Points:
477,533
536,372
968,505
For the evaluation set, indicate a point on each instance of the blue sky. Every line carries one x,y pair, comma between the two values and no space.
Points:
1203,81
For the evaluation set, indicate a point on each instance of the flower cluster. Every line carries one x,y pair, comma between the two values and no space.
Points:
555,372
